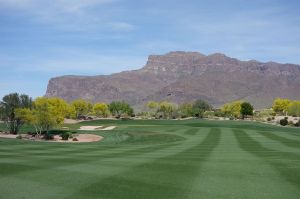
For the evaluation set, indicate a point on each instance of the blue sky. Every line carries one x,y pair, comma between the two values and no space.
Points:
41,39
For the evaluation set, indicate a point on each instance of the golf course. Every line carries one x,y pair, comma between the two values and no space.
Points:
143,159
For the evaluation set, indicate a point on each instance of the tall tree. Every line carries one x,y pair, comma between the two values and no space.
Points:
200,106
246,109
8,105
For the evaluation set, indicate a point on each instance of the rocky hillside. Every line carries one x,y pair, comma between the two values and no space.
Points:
186,76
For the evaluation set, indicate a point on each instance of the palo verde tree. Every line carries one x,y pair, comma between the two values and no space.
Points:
280,106
152,107
294,109
8,105
232,109
246,109
101,110
45,114
81,108
167,109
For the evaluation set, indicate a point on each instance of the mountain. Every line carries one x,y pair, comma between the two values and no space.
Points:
186,76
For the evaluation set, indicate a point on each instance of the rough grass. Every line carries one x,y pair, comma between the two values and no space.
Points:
157,159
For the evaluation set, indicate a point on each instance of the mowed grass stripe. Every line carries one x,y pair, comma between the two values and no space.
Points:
64,163
282,140
167,177
287,164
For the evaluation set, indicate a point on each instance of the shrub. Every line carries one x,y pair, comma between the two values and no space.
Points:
297,124
75,139
291,123
19,137
66,135
48,136
269,119
283,122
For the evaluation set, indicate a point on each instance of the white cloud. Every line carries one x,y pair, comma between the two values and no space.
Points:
74,15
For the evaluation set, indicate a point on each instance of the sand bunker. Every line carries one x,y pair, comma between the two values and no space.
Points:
108,128
80,138
89,128
94,128
6,135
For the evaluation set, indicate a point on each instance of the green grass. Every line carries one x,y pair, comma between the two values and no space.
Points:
157,159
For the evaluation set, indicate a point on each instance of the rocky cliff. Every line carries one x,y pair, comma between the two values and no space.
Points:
186,76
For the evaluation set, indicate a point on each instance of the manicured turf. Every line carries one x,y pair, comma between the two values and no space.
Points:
157,159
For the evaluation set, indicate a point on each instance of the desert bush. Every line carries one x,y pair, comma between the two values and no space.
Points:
48,136
283,122
66,135
219,114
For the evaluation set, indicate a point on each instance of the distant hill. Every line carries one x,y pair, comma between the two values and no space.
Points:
186,76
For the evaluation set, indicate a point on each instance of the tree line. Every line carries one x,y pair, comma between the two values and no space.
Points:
45,113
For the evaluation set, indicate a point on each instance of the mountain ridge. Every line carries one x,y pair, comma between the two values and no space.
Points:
181,76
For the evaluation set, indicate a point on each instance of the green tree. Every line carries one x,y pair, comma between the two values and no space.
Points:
101,110
120,108
186,110
280,105
8,105
45,114
246,109
152,107
294,109
199,107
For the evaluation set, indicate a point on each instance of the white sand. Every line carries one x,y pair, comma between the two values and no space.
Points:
71,121
89,128
108,128
80,138
6,135
93,128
